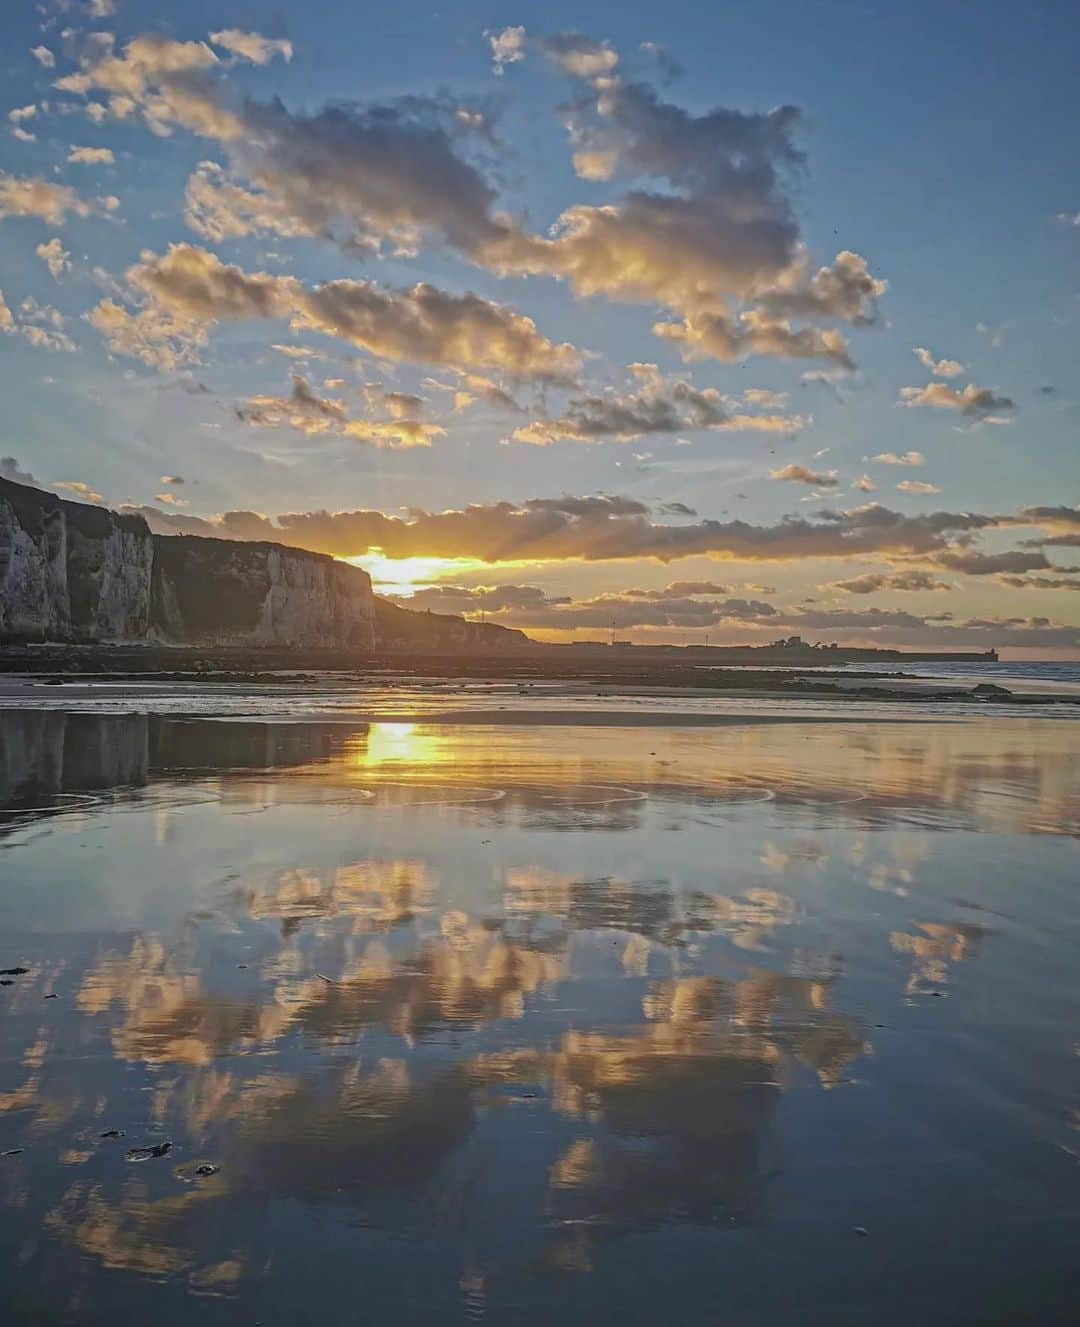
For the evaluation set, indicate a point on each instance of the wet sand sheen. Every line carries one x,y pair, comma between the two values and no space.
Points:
564,1021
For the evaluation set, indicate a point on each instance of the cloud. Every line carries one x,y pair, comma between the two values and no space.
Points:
973,563
940,368
1039,582
55,257
40,324
720,249
530,607
1068,218
580,56
186,291
43,56
170,500
864,484
91,156
157,336
978,403
891,458
360,175
800,474
79,489
299,352
597,528
170,82
250,46
507,47
676,509
657,405
20,114
916,486
9,465
1062,522
758,398
172,479
36,197
304,410
873,582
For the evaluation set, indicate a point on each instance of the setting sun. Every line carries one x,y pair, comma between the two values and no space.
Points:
404,576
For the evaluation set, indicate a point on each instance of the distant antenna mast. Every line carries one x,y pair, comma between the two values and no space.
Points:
613,631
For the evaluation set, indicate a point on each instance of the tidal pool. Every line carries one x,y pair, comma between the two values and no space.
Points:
668,1025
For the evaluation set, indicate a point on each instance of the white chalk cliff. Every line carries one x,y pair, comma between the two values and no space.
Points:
72,572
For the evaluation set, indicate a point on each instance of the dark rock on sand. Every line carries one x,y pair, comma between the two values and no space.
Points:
146,1153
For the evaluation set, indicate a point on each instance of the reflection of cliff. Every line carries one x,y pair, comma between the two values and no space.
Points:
46,752
43,753
933,778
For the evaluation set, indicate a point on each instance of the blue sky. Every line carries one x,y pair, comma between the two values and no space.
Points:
937,146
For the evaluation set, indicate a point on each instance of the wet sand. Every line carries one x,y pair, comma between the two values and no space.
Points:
577,1023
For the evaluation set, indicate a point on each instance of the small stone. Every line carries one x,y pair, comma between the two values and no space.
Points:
112,1133
206,1169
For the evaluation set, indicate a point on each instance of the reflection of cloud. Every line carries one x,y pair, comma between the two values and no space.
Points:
465,977
677,1111
648,909
377,895
133,1235
360,1130
168,1016
934,948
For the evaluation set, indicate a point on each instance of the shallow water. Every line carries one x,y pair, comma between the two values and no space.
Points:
534,1024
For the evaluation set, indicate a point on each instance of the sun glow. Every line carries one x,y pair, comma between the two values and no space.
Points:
404,576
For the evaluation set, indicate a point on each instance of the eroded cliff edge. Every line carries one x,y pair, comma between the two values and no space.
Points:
75,573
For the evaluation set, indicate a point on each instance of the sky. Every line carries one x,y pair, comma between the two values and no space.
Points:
688,321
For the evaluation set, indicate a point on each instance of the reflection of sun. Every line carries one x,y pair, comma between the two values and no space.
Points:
402,743
404,576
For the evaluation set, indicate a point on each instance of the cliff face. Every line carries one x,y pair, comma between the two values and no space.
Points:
220,592
400,628
70,572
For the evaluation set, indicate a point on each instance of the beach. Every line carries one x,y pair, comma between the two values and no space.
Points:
582,1007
